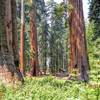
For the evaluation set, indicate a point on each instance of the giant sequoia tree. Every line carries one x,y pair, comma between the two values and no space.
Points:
78,49
33,39
8,71
15,34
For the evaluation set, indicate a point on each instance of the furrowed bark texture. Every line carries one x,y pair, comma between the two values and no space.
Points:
78,48
33,40
15,34
8,72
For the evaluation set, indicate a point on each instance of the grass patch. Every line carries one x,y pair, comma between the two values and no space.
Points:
50,88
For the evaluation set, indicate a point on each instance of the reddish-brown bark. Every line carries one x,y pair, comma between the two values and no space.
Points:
33,43
22,58
78,49
22,49
9,74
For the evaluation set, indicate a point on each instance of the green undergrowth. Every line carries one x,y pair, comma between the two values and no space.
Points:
51,88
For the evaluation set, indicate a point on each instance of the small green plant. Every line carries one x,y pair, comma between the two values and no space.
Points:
51,88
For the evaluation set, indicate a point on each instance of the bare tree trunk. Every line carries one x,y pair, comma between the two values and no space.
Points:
15,34
22,65
8,72
72,41
44,52
78,50
33,40
85,64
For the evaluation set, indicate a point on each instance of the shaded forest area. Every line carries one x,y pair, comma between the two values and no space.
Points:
48,51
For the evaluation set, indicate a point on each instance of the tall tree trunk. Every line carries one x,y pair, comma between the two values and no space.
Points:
22,58
44,45
8,72
78,49
15,34
33,40
72,42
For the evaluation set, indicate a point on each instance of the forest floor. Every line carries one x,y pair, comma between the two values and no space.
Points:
52,88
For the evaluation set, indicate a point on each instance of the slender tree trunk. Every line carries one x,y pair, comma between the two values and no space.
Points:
78,48
8,72
22,58
44,52
33,40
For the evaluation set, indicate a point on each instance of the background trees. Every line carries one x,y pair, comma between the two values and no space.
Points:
42,32
46,31
56,36
93,38
94,16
